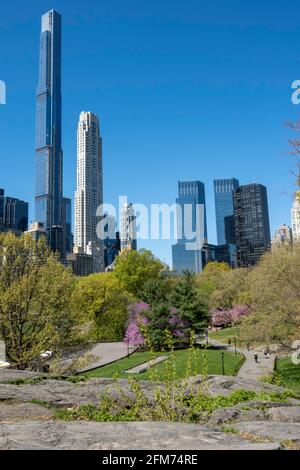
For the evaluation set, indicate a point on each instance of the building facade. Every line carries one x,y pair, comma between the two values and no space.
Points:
283,236
295,215
188,252
67,224
49,155
89,192
128,233
251,223
223,190
13,214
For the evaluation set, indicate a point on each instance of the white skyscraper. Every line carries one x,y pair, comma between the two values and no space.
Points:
296,218
128,228
89,193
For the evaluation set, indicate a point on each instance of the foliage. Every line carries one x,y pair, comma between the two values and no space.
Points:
229,317
275,293
135,268
34,299
101,300
156,291
137,318
191,307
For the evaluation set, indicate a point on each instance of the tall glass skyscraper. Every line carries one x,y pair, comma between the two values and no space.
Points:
187,253
251,223
48,197
223,189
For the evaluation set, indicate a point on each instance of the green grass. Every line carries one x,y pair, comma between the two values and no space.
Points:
225,334
289,373
232,363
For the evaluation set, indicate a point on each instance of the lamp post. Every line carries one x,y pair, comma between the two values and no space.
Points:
127,347
234,345
223,365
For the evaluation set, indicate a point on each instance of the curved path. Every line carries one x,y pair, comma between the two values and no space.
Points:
106,353
250,369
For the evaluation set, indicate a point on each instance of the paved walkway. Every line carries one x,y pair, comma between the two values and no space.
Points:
107,353
250,369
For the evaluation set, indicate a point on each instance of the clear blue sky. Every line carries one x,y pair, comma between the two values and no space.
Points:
185,89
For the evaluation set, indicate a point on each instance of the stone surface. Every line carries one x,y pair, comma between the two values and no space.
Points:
284,414
121,436
233,415
23,411
274,431
11,375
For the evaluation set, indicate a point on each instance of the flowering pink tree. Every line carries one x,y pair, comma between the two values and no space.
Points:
228,317
136,318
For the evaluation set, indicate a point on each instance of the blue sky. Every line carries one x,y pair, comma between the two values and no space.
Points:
184,90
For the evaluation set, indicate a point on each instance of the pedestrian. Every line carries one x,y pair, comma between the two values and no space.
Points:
248,346
229,342
256,357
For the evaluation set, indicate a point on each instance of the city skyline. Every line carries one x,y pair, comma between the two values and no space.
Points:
280,206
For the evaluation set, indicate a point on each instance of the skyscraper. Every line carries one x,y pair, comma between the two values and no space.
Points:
282,236
67,224
89,193
223,189
295,213
251,223
188,252
128,228
13,214
48,198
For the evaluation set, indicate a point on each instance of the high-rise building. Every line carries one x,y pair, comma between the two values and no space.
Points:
283,236
49,155
128,233
67,224
89,192
13,214
36,231
251,223
295,213
1,210
188,252
112,242
223,189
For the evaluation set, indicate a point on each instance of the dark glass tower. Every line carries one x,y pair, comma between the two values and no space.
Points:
251,223
48,198
191,199
224,205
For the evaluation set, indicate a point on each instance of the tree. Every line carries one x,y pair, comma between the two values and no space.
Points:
102,301
34,299
275,295
190,306
135,268
156,291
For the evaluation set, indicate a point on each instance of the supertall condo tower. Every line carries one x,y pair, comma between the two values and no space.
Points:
89,193
49,155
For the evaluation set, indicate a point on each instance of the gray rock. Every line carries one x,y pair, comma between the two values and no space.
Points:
10,412
120,436
11,375
271,430
234,415
285,414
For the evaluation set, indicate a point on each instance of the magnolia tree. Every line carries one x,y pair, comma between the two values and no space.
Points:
137,318
228,317
155,321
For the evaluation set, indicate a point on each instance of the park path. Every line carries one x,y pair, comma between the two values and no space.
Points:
106,353
250,369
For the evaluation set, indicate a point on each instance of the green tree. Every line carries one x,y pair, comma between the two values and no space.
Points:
135,268
156,291
190,305
275,295
102,303
34,299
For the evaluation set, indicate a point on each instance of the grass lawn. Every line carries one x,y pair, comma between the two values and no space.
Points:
231,362
225,334
289,373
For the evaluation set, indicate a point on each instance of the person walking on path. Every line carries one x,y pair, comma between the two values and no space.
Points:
256,357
